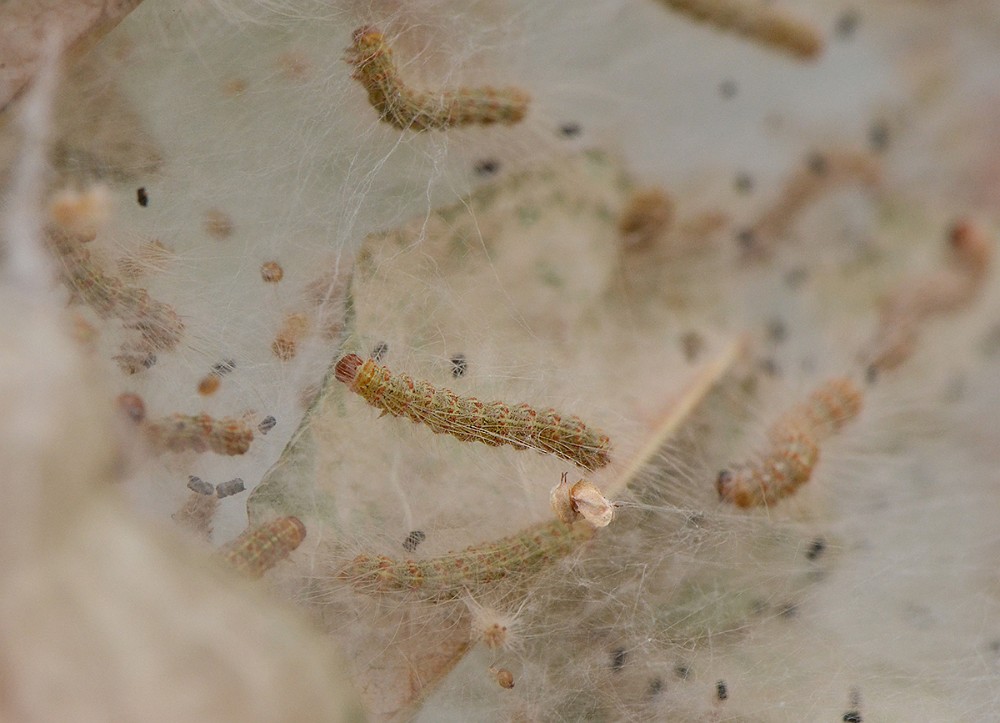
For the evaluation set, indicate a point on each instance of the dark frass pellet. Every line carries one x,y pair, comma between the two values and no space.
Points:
459,365
487,167
266,424
230,488
816,548
142,197
413,539
380,350
197,484
721,690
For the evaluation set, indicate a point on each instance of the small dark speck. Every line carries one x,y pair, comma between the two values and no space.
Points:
569,130
656,686
728,88
413,539
847,24
224,367
817,164
796,277
266,424
141,197
682,671
486,167
770,367
459,365
380,350
149,361
743,182
721,691
618,658
777,331
197,484
788,610
746,239
230,488
878,136
871,374
995,646
692,343
852,716
816,548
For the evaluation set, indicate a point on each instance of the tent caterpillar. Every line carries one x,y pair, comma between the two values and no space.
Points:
908,306
469,419
450,575
405,108
765,25
822,174
199,432
794,447
259,549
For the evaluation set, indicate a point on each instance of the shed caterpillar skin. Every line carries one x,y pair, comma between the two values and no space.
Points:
405,108
259,549
159,325
765,25
448,576
910,305
199,432
794,447
469,419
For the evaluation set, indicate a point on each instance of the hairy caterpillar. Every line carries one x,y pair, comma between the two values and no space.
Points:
447,576
469,419
765,25
259,549
646,218
913,302
159,325
405,108
199,432
794,447
823,173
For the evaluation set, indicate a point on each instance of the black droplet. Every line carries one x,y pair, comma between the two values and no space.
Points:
266,424
380,350
459,365
487,167
141,197
413,539
852,716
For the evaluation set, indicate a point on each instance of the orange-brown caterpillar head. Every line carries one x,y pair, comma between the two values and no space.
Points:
347,368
